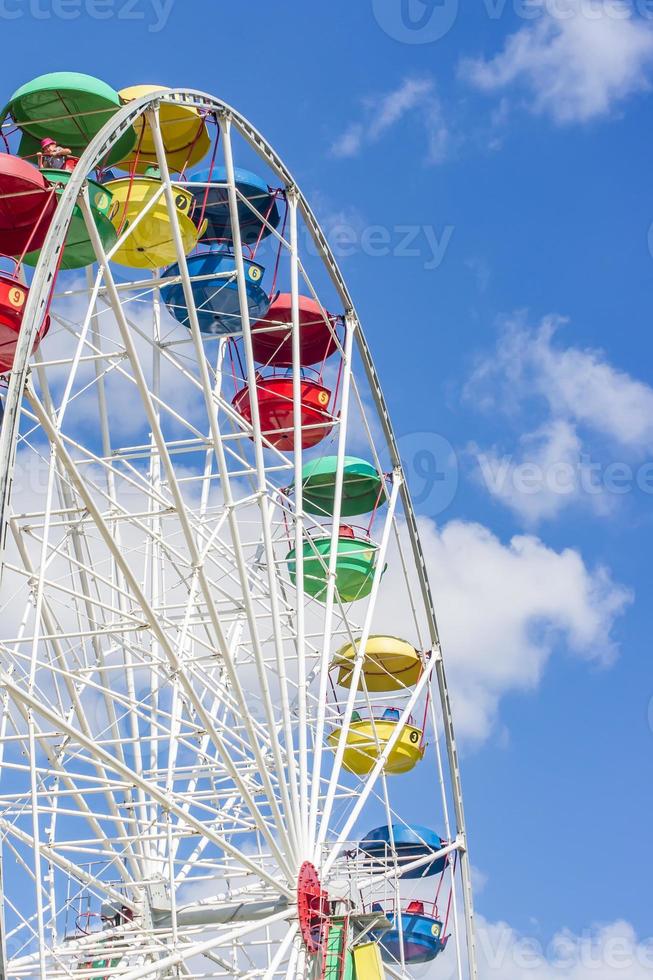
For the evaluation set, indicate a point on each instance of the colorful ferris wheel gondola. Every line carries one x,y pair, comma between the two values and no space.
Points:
272,335
185,136
70,108
356,563
416,934
140,217
363,490
78,251
13,298
214,286
390,664
27,206
409,847
258,211
275,396
370,733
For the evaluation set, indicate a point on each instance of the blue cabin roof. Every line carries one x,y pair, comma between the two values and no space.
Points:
219,176
411,844
216,208
216,300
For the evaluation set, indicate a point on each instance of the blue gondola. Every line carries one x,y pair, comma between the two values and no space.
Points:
422,934
216,210
411,844
216,298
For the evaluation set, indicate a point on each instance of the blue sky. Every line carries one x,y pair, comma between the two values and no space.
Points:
489,193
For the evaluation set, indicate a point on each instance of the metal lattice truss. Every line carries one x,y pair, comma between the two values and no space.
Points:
165,695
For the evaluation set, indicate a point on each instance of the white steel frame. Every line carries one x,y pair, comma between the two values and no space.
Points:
233,660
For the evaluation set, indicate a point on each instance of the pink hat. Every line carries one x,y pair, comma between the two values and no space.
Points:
48,141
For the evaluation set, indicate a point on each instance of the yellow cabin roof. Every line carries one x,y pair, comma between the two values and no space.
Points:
390,664
185,136
150,244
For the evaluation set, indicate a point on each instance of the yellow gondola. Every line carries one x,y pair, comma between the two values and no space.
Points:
150,245
367,739
185,136
390,664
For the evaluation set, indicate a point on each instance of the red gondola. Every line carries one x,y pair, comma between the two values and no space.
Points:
27,206
13,297
272,336
275,401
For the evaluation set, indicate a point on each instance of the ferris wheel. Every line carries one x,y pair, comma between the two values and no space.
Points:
226,746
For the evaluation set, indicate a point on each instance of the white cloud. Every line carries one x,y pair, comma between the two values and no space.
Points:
349,143
549,473
585,386
393,106
584,402
576,61
382,113
503,611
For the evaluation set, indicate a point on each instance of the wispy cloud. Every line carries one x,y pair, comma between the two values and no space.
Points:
579,384
594,421
416,98
574,62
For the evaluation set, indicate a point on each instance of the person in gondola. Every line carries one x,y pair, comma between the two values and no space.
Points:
53,156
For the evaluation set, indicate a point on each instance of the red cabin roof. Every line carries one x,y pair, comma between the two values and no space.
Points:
25,202
273,344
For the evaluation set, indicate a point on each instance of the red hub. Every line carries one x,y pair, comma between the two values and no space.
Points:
313,909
